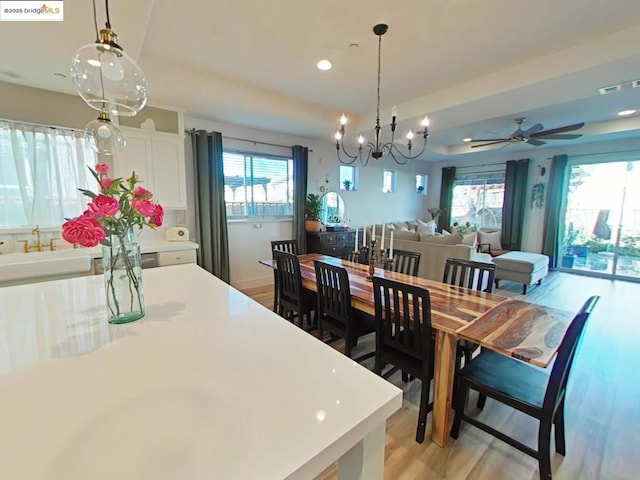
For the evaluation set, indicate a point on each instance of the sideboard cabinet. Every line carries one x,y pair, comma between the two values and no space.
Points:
330,243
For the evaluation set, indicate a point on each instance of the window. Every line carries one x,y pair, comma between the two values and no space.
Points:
388,181
347,177
41,169
257,185
421,184
477,199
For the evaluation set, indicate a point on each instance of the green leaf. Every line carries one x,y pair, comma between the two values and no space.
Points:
88,193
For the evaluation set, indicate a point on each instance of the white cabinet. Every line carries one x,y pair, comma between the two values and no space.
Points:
176,257
158,160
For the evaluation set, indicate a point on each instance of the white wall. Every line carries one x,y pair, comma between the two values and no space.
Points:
249,241
533,217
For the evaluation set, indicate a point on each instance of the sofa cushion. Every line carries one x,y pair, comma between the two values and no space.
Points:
426,227
492,238
402,235
452,239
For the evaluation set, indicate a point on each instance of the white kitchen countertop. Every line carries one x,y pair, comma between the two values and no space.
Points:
95,252
209,384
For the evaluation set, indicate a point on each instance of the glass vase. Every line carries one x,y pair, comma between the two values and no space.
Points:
123,278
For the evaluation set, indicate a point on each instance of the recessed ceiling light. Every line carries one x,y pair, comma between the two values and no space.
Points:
468,139
626,112
324,65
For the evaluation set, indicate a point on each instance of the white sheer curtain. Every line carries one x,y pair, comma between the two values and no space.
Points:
41,169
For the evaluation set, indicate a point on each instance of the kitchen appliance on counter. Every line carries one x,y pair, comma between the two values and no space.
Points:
177,234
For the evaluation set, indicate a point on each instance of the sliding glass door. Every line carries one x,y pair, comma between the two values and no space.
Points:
602,220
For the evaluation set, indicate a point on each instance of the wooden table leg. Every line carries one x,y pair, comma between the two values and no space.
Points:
443,385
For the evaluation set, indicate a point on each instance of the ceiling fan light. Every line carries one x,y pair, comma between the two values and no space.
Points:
467,139
624,113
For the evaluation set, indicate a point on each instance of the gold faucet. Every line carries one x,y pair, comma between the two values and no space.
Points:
38,246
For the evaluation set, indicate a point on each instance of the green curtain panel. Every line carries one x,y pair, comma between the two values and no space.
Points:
300,170
557,179
211,211
446,198
515,198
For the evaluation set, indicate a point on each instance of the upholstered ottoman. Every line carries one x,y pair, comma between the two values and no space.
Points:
522,267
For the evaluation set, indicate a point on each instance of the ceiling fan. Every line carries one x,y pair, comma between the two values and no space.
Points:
533,136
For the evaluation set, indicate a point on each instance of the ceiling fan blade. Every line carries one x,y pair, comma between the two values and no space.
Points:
491,143
535,142
553,131
570,136
536,128
490,140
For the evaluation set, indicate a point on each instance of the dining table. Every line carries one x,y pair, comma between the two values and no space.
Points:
208,384
516,328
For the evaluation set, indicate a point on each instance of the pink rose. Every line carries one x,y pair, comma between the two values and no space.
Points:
105,183
141,193
144,207
84,230
157,217
104,206
102,168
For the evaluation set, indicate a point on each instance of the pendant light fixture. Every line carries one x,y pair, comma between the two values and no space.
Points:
377,148
103,136
104,75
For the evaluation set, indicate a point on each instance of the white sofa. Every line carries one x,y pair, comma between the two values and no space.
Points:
433,255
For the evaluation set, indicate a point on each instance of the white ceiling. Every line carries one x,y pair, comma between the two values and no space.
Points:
472,66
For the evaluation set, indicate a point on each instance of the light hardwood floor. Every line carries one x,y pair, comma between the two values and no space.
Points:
602,406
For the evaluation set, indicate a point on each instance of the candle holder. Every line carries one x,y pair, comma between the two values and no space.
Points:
372,268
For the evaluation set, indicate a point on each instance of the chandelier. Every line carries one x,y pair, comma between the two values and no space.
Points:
377,148
110,81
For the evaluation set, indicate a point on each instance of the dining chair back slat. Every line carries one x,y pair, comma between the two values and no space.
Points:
469,274
404,261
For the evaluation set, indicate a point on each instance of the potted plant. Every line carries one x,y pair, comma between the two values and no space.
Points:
568,257
312,213
434,212
347,184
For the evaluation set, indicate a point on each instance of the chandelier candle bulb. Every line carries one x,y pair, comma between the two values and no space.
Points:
382,238
364,236
391,246
343,120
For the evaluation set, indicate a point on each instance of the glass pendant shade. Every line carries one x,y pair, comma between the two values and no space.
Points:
105,74
104,137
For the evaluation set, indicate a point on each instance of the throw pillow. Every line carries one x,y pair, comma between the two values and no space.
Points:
390,226
402,226
445,232
492,238
426,227
470,239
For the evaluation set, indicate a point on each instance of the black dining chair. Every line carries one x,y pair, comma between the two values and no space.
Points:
335,313
293,299
476,276
363,255
404,337
404,261
536,392
290,246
